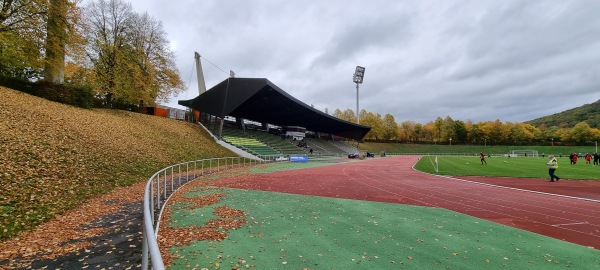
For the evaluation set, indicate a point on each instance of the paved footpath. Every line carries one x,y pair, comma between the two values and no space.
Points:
106,233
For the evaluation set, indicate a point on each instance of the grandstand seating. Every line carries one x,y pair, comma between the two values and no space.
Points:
324,148
261,143
253,146
284,146
345,147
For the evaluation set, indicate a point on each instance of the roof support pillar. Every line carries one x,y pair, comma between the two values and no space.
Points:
240,123
221,128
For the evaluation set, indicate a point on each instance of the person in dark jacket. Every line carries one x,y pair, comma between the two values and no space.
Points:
482,157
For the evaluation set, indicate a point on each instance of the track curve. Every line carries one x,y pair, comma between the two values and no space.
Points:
566,210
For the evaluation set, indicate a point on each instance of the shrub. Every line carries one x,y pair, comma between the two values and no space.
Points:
80,96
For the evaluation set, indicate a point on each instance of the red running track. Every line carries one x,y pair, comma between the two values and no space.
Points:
573,216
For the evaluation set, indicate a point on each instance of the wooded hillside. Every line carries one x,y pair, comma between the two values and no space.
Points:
589,113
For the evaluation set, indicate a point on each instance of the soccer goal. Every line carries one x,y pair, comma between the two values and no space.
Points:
524,153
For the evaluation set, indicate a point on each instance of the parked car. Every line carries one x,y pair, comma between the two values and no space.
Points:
353,155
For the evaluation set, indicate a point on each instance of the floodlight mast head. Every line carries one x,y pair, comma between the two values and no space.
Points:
359,73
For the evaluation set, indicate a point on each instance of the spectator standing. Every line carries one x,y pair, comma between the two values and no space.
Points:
552,166
596,159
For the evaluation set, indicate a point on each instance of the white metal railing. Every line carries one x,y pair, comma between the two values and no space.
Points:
163,184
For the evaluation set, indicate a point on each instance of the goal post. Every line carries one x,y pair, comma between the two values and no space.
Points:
524,153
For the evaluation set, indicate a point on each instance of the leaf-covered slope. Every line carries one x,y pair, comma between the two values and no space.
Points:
589,113
54,157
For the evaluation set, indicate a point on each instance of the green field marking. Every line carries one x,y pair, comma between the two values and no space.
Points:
286,231
519,167
277,167
286,166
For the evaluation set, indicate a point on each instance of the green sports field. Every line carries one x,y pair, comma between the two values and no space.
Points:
520,167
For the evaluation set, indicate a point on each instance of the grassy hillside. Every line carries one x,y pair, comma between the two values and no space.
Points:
54,157
474,149
589,113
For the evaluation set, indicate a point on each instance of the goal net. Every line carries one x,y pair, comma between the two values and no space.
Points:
524,153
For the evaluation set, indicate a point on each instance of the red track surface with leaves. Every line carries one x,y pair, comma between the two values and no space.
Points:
566,210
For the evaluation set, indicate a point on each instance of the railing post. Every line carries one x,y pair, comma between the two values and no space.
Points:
152,200
158,190
144,249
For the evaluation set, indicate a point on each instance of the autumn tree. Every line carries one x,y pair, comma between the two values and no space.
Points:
22,35
460,131
495,132
581,133
438,127
407,131
347,115
563,134
448,130
523,133
418,132
411,131
375,122
429,132
390,127
129,55
338,114
362,115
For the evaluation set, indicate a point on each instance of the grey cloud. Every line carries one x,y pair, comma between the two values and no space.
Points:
472,60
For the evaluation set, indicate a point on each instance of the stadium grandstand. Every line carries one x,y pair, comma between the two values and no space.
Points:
255,115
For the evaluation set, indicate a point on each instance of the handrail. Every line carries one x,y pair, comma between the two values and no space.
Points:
156,196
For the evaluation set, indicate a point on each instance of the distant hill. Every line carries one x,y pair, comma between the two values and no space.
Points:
589,113
54,157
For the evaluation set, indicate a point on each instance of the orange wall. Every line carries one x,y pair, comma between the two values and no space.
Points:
161,112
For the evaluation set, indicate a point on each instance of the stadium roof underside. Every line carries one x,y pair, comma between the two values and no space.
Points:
262,101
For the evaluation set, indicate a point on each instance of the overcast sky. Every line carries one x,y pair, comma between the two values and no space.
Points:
480,60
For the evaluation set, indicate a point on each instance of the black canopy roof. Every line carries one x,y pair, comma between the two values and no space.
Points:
262,101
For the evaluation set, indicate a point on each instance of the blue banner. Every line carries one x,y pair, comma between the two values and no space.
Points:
299,158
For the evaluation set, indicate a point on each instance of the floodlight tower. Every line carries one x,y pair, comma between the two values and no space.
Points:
359,73
199,74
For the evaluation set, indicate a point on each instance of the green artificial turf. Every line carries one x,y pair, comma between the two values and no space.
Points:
286,231
520,167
